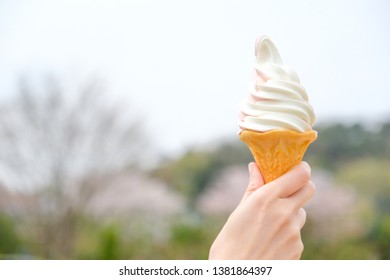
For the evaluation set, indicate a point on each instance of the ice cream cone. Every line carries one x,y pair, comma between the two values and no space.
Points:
277,151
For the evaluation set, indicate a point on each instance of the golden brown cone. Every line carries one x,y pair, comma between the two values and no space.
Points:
277,151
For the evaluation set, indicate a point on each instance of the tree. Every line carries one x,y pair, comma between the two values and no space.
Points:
55,144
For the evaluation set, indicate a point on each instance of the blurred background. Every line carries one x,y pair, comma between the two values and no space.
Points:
118,124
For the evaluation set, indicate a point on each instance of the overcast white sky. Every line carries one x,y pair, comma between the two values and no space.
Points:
185,65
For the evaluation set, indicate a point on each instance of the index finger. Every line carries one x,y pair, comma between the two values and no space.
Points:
290,182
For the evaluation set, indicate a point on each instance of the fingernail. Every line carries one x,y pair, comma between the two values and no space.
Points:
306,166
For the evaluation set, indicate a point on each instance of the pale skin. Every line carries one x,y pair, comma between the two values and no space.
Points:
268,221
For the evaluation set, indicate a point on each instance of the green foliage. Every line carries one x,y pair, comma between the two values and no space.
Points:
187,242
370,176
9,240
338,144
109,243
350,249
191,173
379,236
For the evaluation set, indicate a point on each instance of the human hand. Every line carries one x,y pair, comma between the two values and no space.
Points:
268,221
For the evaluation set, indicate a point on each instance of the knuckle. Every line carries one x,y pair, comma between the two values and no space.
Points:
304,216
299,250
311,189
304,175
252,186
311,186
297,235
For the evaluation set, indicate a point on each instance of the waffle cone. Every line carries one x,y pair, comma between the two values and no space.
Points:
277,151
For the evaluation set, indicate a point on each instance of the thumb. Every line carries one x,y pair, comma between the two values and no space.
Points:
255,180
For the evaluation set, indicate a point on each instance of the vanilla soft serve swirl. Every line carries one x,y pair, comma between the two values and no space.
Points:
276,100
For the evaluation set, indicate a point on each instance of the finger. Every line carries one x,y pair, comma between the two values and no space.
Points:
292,181
301,197
301,217
255,180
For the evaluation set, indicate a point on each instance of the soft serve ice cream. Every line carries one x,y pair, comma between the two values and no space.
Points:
276,99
